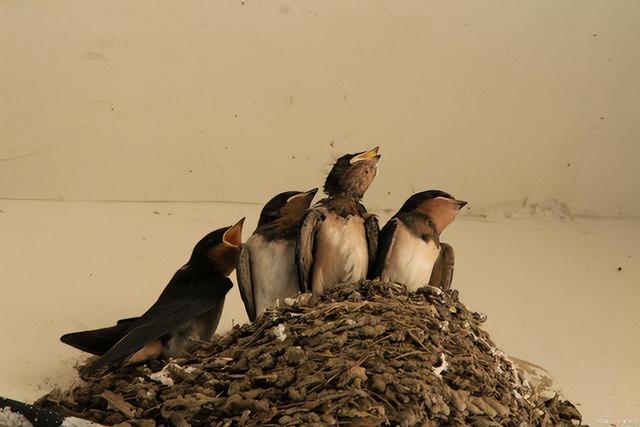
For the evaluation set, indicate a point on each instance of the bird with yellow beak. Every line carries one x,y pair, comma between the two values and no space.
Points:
338,238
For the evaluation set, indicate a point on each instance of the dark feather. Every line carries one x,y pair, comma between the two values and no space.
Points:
305,246
442,274
414,201
385,241
371,229
245,281
271,210
190,293
98,341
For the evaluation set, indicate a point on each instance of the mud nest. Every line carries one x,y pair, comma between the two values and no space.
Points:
366,354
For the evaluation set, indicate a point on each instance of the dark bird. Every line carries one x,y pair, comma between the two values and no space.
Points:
338,238
267,271
409,247
186,313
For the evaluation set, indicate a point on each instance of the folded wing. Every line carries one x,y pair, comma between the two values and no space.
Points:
245,282
98,341
189,295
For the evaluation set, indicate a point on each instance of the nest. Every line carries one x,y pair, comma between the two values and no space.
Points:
365,354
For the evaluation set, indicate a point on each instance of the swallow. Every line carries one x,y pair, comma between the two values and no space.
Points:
409,247
338,238
267,271
186,313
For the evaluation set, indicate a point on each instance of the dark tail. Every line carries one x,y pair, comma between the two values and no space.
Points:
98,341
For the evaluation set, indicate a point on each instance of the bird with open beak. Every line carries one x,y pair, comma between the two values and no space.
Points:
338,238
267,271
185,315
409,247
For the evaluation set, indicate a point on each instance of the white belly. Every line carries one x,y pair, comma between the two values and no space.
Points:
341,253
273,271
410,260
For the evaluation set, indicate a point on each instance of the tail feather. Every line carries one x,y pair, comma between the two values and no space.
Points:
98,341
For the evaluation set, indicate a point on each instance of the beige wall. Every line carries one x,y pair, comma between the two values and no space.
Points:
494,101
499,102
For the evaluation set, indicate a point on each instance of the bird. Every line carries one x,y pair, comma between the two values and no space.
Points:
186,313
267,271
338,237
409,247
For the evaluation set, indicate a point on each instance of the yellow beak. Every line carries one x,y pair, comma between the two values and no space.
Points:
367,155
233,236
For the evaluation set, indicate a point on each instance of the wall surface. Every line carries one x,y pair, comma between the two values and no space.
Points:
498,101
130,129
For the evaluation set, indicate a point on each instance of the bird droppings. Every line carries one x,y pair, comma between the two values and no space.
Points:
78,422
163,377
369,354
279,332
443,365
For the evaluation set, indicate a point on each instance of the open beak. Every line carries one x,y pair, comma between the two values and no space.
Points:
367,155
233,236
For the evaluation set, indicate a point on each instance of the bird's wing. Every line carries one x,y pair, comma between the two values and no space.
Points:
442,273
305,246
98,341
245,282
188,295
371,229
385,241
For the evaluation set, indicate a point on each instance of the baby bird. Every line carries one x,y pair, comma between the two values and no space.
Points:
186,313
267,269
338,238
409,245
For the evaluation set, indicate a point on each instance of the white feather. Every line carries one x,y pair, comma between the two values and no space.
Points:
410,260
341,252
273,270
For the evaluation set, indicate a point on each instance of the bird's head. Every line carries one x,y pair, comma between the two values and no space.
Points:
220,248
352,174
290,205
440,207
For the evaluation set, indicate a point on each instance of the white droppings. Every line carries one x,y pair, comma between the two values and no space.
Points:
443,366
163,377
280,332
189,369
78,422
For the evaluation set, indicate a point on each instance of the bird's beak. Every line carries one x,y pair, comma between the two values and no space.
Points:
460,204
309,195
233,236
303,200
367,155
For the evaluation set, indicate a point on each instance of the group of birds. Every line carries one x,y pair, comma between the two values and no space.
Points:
295,249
